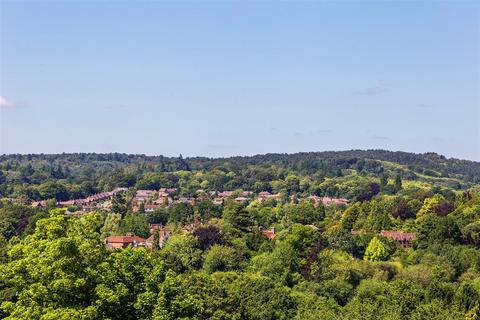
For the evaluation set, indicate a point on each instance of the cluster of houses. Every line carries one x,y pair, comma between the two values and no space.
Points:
327,201
96,199
131,240
220,197
151,200
135,242
404,239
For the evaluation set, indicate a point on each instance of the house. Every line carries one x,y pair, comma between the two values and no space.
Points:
155,226
66,203
39,204
163,235
327,201
140,197
144,195
270,234
241,199
129,240
315,199
225,194
218,201
265,195
403,238
192,201
163,200
151,207
104,205
165,192
99,196
84,202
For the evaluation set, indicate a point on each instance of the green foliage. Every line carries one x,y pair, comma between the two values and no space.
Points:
119,204
111,226
376,251
156,240
135,223
220,262
398,183
435,205
181,212
238,216
434,229
304,212
220,258
14,219
182,253
50,271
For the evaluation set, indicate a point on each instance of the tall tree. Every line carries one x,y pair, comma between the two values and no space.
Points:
398,183
376,250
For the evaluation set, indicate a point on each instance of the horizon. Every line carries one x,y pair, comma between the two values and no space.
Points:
185,156
235,79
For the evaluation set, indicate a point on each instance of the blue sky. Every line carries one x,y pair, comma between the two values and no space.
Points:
232,78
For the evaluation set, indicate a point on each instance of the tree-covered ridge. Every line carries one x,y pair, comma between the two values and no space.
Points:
343,174
407,245
429,164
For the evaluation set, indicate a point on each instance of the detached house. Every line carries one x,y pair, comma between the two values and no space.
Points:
241,199
403,238
163,235
265,195
225,194
270,234
118,242
327,201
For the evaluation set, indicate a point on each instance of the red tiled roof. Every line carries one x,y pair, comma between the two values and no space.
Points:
270,234
398,235
124,239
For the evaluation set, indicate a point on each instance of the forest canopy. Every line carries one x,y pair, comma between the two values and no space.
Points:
326,235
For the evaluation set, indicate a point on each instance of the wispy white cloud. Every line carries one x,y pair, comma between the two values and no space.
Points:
380,88
324,131
5,103
424,106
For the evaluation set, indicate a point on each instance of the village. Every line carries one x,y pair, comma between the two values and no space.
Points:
150,200
145,201
162,233
95,201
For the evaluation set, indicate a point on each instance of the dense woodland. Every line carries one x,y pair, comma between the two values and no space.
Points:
325,262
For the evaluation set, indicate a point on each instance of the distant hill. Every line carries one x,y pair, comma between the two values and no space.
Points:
429,167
